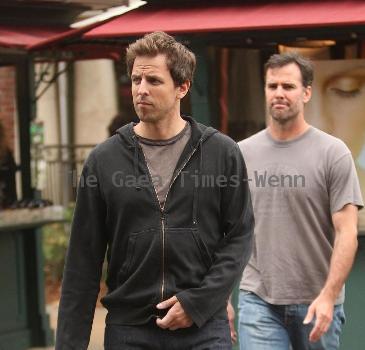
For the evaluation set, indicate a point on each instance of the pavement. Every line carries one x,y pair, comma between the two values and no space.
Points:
97,333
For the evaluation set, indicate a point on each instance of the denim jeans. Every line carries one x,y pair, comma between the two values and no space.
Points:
264,326
214,335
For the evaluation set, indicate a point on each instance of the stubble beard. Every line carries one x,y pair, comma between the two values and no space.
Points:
283,117
146,116
154,116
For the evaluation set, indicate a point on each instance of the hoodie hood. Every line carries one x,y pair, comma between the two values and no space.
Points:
199,134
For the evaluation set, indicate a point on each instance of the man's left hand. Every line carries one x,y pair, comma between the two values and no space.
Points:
322,308
231,316
176,317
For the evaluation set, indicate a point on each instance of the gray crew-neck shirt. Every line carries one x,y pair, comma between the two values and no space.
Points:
162,157
295,186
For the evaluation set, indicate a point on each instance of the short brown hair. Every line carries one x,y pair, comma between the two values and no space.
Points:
304,64
180,60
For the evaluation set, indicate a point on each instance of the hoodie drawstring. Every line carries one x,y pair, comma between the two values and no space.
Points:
196,188
135,164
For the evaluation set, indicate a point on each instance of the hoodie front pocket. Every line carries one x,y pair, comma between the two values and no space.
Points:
140,273
128,258
187,259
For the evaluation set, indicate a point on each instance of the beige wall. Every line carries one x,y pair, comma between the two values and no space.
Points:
95,100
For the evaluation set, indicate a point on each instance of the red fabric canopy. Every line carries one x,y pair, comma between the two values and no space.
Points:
28,37
233,17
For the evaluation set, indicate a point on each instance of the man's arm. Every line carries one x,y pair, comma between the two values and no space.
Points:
345,245
82,272
231,256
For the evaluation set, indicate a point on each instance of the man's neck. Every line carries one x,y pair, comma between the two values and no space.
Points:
162,130
287,131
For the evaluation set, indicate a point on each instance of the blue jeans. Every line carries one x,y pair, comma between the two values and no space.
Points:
263,326
214,335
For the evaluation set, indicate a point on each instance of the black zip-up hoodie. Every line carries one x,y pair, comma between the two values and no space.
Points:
195,247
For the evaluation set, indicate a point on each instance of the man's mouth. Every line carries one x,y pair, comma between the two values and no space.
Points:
279,105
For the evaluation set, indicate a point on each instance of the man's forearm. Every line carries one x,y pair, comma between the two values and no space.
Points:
341,262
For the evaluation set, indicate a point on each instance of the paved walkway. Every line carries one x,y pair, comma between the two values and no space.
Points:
97,333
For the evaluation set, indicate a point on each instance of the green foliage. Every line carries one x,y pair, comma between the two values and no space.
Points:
55,243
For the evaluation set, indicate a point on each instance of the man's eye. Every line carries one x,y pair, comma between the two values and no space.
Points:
272,86
288,87
136,80
154,81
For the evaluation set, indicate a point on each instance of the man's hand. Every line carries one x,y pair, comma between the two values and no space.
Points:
175,318
345,245
322,308
231,316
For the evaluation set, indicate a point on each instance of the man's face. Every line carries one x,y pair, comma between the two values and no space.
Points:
155,96
285,93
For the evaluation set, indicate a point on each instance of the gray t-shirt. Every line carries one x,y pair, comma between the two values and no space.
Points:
296,186
162,157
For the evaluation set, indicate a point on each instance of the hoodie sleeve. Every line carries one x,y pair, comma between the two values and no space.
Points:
234,250
82,272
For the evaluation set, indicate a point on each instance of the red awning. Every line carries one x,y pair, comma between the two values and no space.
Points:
32,38
233,17
27,37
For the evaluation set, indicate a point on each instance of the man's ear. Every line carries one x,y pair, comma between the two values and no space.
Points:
307,94
183,89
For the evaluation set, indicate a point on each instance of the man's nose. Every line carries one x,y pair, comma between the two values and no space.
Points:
279,91
143,88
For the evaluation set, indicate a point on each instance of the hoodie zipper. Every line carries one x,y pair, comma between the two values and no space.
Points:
162,210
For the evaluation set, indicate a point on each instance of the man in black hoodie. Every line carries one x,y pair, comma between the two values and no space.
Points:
167,200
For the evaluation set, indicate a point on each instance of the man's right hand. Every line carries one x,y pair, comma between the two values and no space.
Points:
322,310
176,316
231,316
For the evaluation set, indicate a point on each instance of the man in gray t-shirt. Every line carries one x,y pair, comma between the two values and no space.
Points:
306,196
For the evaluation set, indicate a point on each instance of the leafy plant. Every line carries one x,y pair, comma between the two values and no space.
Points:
55,243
